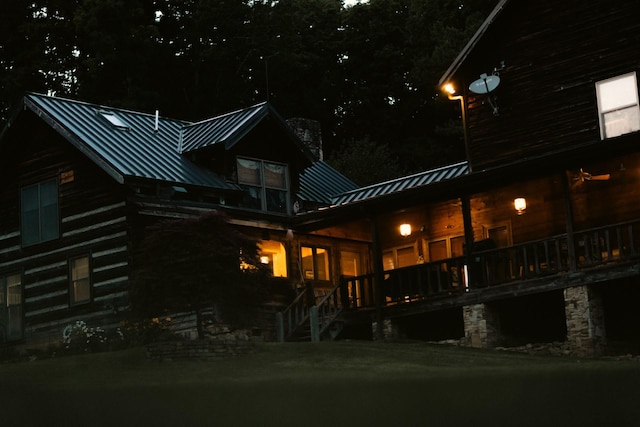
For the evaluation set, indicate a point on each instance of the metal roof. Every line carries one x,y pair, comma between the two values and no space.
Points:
320,182
228,128
125,143
402,184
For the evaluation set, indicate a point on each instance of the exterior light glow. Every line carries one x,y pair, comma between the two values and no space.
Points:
449,88
264,259
405,230
520,204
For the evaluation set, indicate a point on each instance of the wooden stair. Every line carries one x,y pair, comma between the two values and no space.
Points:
320,322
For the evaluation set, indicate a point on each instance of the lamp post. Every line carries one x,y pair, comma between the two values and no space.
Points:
450,90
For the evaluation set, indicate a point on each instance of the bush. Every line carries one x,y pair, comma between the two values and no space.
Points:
80,338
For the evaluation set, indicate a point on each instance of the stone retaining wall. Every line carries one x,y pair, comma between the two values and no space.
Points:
222,346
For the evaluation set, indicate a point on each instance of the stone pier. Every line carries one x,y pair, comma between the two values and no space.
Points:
390,329
585,321
481,326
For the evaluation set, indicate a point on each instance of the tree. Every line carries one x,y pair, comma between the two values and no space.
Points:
191,264
366,162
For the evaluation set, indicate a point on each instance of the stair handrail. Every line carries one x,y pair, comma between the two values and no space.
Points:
295,314
329,308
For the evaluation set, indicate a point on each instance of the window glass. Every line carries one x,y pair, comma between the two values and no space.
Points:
406,257
350,263
11,305
457,246
618,107
274,255
315,263
39,213
388,261
322,264
438,250
265,185
80,282
275,176
248,172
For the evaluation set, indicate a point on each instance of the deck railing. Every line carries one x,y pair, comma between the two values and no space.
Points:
530,260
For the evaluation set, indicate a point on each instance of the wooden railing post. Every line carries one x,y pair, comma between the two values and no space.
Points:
279,327
314,323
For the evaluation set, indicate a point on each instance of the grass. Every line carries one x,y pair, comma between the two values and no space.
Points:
326,384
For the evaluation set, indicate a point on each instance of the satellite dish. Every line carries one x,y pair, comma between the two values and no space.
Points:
484,84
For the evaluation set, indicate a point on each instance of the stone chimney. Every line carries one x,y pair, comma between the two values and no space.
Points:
310,134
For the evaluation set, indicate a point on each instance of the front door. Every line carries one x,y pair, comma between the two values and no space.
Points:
10,308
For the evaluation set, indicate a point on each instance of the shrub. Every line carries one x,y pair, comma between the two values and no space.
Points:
80,338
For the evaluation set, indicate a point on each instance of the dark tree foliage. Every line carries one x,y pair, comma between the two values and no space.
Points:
366,162
367,72
188,265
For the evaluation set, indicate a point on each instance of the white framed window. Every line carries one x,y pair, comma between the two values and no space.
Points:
39,212
618,107
274,255
448,247
398,257
315,263
10,307
80,280
265,184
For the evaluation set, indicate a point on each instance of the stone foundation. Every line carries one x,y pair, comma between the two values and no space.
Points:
585,321
481,326
229,344
390,330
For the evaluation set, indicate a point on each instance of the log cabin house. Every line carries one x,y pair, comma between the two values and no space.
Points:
534,237
81,182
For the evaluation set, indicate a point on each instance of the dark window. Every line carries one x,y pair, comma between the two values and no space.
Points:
39,212
265,184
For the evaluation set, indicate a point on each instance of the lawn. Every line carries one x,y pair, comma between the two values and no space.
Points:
326,384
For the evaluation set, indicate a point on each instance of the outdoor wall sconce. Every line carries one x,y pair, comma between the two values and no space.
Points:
264,259
520,204
405,230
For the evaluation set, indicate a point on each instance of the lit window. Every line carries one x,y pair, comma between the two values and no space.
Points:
265,185
80,283
399,257
10,307
315,263
39,213
273,255
618,108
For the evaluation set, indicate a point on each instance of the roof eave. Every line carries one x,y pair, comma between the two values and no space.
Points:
73,139
464,53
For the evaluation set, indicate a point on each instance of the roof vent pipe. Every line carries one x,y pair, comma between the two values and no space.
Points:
155,127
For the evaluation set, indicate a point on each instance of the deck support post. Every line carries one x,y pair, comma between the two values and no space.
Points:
279,327
481,326
314,322
585,320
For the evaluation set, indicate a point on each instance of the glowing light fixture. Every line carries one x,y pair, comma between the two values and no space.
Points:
520,204
449,89
405,230
264,259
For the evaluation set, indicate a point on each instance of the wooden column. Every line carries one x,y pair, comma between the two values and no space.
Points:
568,212
468,235
378,272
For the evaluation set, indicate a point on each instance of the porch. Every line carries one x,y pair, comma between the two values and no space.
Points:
563,261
